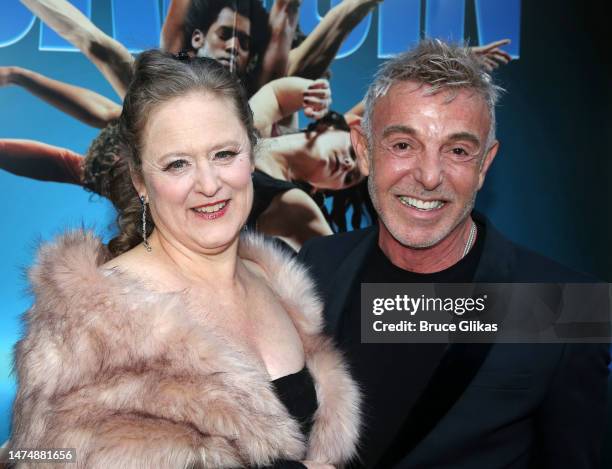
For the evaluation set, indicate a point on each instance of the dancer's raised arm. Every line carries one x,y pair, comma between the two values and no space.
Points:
283,20
281,98
107,54
491,55
313,57
83,104
40,161
172,37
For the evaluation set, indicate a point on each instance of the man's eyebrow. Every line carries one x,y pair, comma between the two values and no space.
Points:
470,137
393,129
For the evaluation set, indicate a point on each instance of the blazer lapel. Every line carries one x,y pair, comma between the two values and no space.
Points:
498,256
343,282
456,370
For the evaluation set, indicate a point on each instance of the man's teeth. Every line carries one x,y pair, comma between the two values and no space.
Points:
211,208
421,204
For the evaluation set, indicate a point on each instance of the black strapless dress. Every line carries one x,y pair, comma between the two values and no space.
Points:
297,392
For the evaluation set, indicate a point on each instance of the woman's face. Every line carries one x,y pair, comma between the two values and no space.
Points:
196,172
335,166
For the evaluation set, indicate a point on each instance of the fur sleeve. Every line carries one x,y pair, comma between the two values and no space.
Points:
335,432
337,424
129,380
72,394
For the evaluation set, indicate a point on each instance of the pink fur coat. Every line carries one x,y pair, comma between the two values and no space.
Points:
136,379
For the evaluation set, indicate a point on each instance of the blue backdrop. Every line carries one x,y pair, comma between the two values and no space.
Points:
548,188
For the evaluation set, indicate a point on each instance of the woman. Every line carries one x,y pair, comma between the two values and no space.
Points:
193,346
322,157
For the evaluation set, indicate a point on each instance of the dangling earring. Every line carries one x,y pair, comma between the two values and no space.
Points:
143,201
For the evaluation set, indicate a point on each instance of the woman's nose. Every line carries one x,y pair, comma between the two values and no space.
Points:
208,181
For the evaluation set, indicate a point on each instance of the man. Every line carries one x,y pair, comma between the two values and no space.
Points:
426,143
229,31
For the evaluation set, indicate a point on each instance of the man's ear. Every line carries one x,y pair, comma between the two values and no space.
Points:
360,145
197,39
486,163
352,119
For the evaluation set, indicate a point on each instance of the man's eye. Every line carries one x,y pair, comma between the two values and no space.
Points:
401,146
459,151
225,33
174,165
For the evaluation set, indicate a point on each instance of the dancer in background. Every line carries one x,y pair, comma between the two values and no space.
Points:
226,30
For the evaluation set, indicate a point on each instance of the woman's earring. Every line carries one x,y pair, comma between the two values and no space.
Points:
143,201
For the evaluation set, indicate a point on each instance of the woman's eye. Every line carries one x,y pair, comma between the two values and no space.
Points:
174,165
225,155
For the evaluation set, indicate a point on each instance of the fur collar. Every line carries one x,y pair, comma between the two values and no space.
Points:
126,374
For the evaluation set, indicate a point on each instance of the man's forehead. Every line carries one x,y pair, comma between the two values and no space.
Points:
229,17
409,100
413,90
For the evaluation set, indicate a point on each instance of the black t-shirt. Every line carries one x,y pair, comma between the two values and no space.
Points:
393,376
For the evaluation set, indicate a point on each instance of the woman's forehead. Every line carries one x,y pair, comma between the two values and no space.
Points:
194,120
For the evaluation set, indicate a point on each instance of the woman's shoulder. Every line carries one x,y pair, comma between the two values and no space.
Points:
75,275
287,278
69,290
130,262
67,261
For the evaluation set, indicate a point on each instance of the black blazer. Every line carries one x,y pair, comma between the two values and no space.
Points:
486,406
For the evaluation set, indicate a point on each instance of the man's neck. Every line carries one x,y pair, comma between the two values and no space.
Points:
436,258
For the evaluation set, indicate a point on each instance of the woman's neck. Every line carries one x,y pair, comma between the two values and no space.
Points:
219,267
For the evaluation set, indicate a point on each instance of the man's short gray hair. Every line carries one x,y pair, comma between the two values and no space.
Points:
441,66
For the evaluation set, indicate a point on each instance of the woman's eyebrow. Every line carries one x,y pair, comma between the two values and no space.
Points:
208,149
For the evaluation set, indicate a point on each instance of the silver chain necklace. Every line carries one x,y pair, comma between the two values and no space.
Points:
470,240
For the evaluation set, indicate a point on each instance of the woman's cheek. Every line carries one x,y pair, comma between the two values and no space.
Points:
172,189
239,174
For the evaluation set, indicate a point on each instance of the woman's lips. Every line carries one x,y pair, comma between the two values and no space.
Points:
213,210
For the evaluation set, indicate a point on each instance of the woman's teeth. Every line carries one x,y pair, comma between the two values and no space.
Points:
421,204
211,208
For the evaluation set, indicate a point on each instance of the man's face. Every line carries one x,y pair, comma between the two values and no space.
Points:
228,40
426,160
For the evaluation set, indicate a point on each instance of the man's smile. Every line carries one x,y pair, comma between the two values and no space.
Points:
424,205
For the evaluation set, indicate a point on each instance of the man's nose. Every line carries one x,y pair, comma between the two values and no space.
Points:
232,44
429,171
